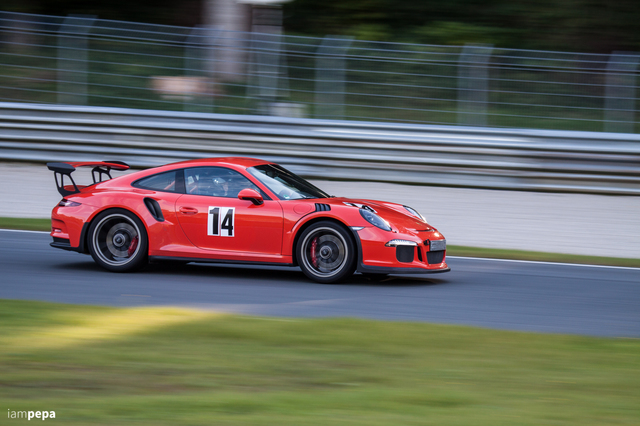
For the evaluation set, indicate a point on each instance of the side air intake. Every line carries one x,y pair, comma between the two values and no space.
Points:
323,207
154,209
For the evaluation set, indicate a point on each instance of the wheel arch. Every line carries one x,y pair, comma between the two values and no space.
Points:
84,242
300,230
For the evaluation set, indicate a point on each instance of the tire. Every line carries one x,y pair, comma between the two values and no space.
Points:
118,241
326,252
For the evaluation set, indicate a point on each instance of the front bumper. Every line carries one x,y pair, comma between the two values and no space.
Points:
376,256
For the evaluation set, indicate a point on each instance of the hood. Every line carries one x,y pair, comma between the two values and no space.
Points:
398,217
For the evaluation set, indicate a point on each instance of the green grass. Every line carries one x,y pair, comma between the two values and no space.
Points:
452,250
166,366
25,224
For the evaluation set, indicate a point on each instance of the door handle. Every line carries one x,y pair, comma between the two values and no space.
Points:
188,210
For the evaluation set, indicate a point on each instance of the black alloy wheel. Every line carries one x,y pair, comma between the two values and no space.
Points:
326,252
118,241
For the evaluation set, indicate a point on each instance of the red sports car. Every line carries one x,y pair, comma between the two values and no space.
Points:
236,210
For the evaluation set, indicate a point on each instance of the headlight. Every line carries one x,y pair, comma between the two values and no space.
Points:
375,220
415,213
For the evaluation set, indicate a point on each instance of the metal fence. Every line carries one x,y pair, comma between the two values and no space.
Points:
82,60
541,160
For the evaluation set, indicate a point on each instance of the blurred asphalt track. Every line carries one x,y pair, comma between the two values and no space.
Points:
586,224
511,295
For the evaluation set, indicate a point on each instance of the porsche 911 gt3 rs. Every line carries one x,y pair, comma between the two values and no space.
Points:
236,210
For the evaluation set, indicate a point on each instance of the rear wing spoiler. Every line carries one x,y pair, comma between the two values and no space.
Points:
99,171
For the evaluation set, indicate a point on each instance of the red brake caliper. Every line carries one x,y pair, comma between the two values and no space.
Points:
314,259
132,246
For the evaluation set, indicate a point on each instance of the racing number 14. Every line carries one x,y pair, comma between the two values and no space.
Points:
221,221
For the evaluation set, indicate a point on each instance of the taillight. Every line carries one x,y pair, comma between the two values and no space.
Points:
66,203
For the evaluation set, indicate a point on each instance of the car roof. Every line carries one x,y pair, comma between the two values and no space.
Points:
244,162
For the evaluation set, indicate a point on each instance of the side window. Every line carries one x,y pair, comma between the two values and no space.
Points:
161,182
216,182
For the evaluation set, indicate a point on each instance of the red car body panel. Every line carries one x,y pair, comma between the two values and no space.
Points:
257,229
260,233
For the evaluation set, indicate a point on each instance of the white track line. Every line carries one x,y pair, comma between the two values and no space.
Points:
22,230
545,263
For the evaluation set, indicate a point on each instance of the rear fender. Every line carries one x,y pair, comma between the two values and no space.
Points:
162,227
85,228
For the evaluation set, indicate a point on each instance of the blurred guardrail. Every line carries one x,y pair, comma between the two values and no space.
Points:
606,163
82,60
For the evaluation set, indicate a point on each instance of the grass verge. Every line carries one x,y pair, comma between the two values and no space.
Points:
25,224
166,366
452,250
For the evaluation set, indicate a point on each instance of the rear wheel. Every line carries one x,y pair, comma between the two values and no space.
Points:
326,252
118,241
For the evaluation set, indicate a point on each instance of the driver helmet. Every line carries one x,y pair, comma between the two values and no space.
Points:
220,186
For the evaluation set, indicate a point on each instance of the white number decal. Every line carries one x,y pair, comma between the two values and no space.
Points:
221,221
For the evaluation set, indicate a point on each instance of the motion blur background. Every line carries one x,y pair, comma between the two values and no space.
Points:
509,124
536,64
532,96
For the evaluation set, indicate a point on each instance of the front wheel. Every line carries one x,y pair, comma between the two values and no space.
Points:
118,241
326,252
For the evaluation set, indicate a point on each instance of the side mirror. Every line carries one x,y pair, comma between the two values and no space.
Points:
251,195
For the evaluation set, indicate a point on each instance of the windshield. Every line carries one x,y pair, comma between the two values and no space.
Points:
283,183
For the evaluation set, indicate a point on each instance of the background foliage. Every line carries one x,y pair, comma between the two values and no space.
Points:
168,12
577,25
580,25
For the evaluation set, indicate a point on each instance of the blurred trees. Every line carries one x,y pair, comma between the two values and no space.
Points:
169,12
577,25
